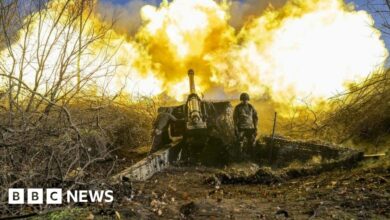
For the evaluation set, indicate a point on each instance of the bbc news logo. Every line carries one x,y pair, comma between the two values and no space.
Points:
54,196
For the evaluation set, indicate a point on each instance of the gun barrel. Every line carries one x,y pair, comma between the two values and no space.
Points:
192,81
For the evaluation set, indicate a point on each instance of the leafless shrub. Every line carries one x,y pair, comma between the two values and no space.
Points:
363,111
53,131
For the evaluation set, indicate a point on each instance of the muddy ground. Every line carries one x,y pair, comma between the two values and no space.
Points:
179,193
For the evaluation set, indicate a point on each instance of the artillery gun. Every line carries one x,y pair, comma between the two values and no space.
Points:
204,134
205,127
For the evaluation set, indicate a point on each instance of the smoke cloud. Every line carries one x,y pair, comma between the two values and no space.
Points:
126,17
242,11
128,20
276,48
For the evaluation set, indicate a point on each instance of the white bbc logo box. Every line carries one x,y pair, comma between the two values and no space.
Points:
54,196
34,196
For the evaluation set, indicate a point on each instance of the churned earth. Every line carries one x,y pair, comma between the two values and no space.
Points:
362,192
188,193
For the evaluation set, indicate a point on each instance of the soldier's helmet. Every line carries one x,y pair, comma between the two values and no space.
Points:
244,96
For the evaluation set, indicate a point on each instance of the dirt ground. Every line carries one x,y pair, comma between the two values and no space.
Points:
362,192
185,193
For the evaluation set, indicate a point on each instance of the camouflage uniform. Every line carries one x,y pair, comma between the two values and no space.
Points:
160,134
245,123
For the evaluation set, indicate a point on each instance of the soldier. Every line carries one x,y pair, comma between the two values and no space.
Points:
160,128
245,122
